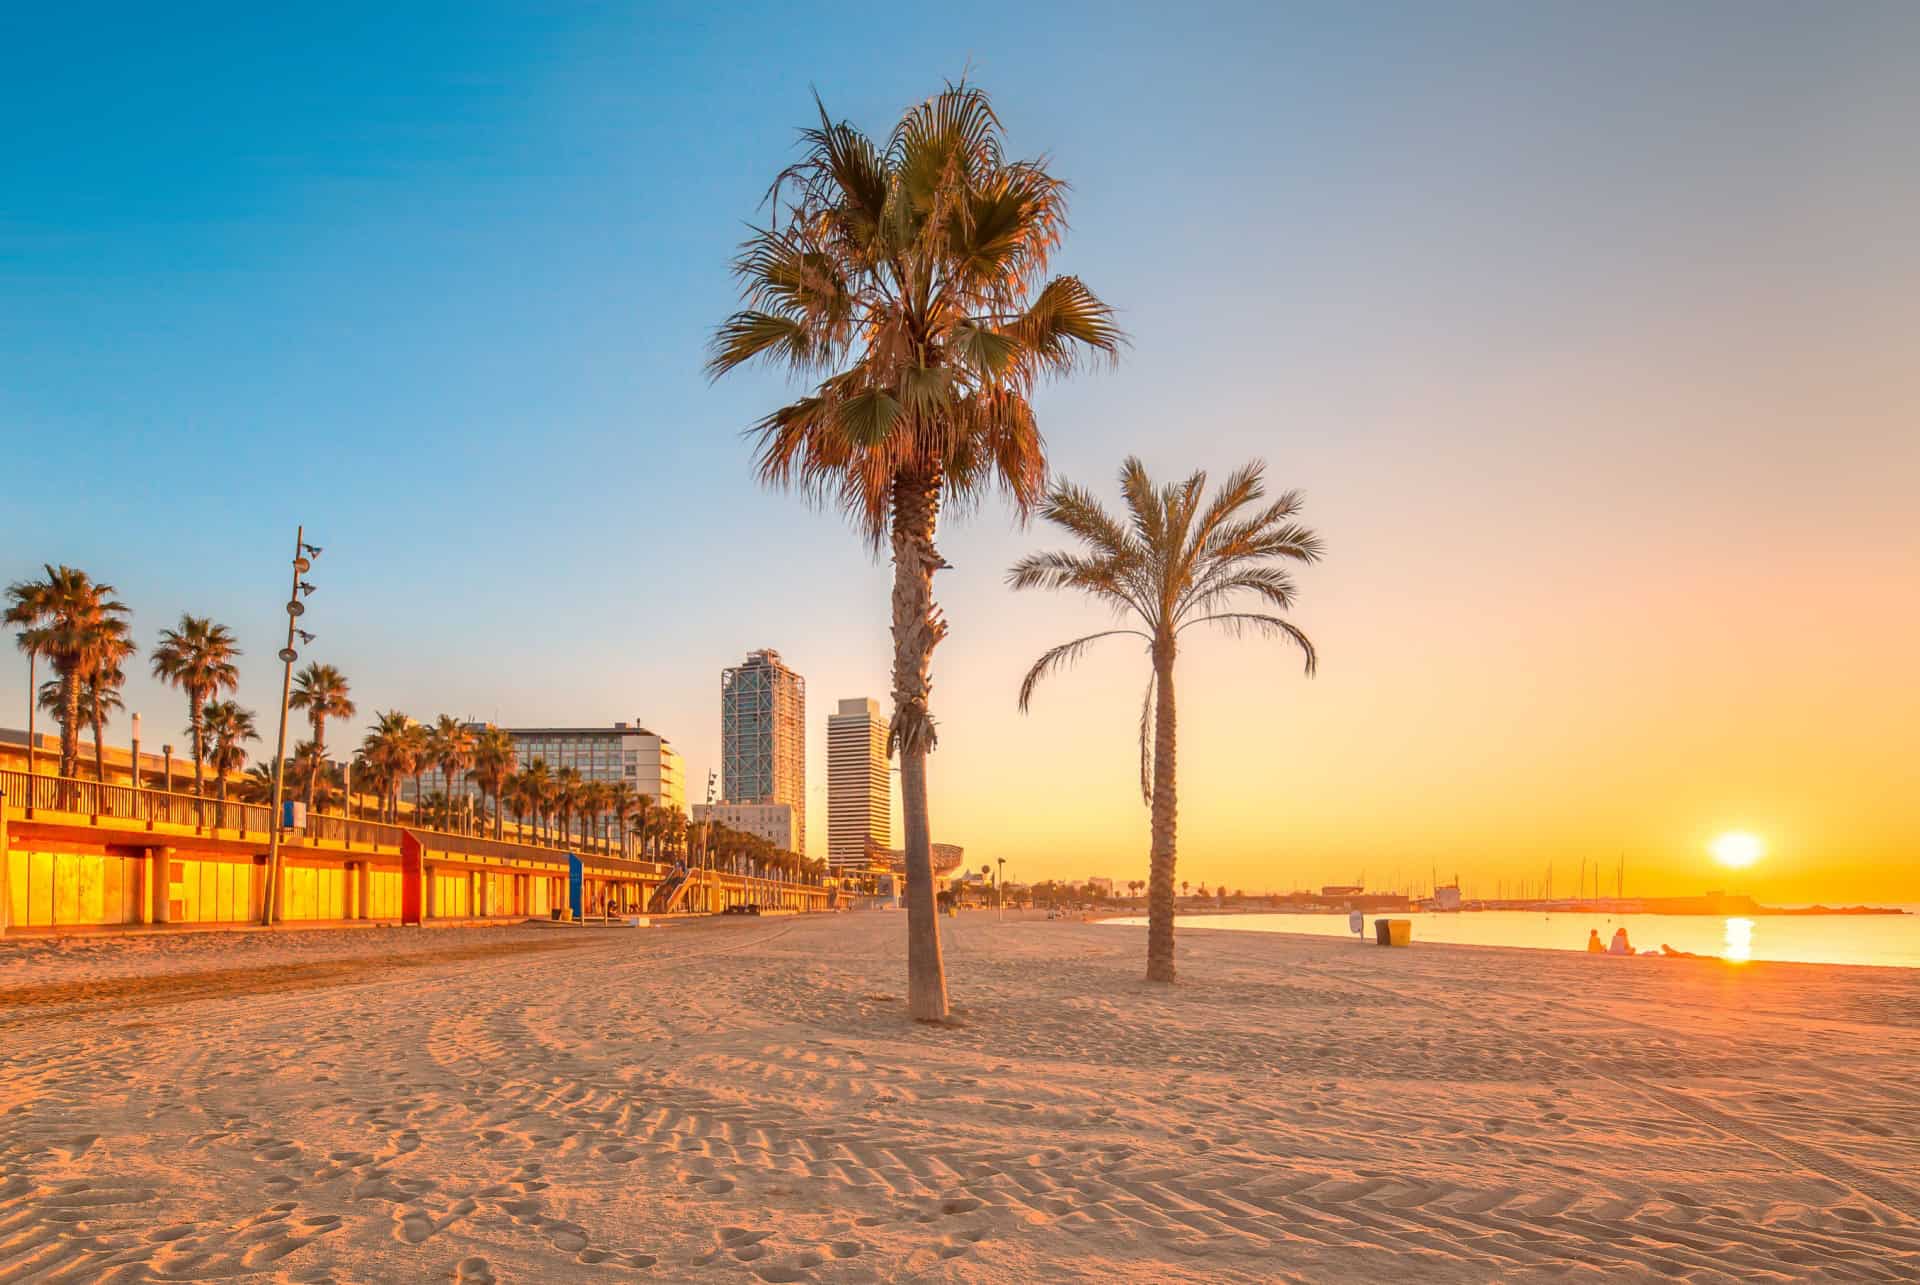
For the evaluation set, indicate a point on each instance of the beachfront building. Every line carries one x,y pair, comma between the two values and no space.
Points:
859,791
774,822
763,741
627,752
76,854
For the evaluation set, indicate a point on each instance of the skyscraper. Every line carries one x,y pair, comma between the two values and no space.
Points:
763,741
859,797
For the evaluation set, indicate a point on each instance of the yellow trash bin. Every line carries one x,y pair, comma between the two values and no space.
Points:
1392,932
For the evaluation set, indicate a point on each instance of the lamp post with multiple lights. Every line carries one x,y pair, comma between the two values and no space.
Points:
303,553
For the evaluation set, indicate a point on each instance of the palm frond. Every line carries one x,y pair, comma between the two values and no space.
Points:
1063,655
1065,323
1080,512
1238,622
1146,738
1270,583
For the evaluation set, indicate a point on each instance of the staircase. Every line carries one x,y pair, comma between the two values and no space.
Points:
667,897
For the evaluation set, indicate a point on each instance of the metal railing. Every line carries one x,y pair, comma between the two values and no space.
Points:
130,803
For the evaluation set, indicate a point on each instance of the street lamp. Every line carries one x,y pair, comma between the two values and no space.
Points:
303,555
1000,886
136,750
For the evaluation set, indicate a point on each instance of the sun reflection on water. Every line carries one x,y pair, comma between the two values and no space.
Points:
1739,947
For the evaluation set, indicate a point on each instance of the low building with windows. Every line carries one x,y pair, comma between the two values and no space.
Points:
777,823
627,752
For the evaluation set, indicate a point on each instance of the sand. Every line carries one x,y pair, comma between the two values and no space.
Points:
744,1100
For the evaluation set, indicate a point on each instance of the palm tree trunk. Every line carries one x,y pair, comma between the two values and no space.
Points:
69,726
193,730
1160,869
319,757
917,629
33,703
99,755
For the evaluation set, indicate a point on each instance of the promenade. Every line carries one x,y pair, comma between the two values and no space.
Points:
742,1100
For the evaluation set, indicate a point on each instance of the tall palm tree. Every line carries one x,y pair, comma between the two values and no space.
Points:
197,657
99,697
450,748
536,794
619,800
420,749
493,766
593,812
640,820
1176,563
228,728
323,692
77,626
105,677
392,749
909,282
566,800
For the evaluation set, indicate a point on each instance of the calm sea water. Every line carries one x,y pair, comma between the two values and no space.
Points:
1887,940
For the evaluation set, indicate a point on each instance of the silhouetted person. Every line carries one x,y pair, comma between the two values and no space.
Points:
1621,946
1594,945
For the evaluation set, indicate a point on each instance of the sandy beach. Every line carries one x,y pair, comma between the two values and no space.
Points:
743,1100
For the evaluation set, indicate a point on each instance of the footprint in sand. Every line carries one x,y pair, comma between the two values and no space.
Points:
473,1271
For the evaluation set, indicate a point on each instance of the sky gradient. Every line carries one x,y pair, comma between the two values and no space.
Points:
1588,331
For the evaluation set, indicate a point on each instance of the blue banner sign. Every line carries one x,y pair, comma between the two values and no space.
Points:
576,887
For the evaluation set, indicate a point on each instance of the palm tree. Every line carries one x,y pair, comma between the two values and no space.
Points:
450,747
99,697
493,766
1175,564
640,818
910,281
102,695
392,750
566,801
197,657
228,727
78,627
619,802
258,785
420,749
323,692
312,774
536,795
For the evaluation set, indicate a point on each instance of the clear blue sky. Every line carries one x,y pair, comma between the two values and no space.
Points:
1533,299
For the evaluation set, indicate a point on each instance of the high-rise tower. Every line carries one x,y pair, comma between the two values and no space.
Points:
763,742
859,794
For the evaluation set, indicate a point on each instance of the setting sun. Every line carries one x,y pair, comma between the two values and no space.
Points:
1736,850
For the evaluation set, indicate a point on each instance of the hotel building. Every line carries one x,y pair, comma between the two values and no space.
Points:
763,745
859,791
774,822
627,752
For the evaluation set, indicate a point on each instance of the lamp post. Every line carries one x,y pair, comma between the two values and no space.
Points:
295,609
166,757
1000,887
136,750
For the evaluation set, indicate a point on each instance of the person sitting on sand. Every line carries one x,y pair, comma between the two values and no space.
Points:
1594,945
1621,946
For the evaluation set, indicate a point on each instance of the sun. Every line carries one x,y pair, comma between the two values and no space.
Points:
1736,849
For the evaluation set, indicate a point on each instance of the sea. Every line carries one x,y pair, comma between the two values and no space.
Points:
1888,941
